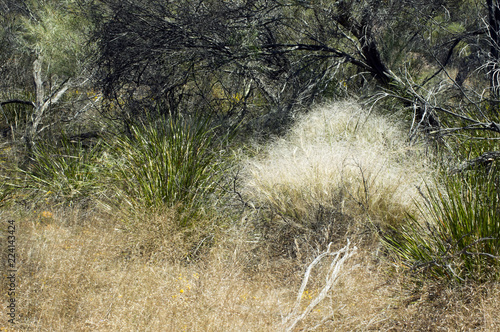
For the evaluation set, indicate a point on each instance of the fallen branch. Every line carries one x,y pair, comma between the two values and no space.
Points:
336,265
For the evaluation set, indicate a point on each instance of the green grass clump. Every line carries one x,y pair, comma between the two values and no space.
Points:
168,161
460,238
66,171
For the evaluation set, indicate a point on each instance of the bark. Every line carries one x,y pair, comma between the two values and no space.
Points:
41,104
494,39
368,46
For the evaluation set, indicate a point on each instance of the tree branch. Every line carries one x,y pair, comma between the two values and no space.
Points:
17,101
484,161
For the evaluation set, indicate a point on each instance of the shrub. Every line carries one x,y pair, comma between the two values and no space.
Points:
460,238
339,164
168,161
65,171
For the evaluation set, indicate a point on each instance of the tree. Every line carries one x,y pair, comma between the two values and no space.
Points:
49,38
436,59
210,55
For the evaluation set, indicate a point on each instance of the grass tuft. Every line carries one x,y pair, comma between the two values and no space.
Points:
64,172
167,162
340,164
460,239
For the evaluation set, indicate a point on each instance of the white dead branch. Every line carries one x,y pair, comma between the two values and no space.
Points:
339,259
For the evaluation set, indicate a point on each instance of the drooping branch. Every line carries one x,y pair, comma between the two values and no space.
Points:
18,101
333,52
454,43
483,161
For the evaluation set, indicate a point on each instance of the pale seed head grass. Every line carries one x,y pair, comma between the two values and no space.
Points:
344,158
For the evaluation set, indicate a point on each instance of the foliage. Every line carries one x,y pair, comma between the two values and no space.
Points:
64,172
14,65
167,161
435,60
46,44
6,193
15,116
56,31
459,239
432,64
340,168
203,54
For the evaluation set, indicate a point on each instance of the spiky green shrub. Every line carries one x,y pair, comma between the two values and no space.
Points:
5,194
15,116
460,237
168,161
65,171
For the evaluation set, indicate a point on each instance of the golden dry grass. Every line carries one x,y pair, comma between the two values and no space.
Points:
77,278
78,275
90,270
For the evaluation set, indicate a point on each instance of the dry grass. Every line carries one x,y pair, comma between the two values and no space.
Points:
77,275
77,278
86,270
445,308
340,157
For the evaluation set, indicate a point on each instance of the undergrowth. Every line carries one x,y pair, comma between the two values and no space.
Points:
460,238
177,243
63,171
340,170
168,161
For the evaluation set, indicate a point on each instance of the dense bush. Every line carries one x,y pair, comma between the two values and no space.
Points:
460,238
340,167
167,161
64,171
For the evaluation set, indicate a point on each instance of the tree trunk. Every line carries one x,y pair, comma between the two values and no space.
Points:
41,103
494,36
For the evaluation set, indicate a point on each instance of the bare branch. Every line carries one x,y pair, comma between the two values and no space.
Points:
332,276
18,101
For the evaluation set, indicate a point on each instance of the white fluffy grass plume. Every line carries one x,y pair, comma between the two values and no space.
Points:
343,158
